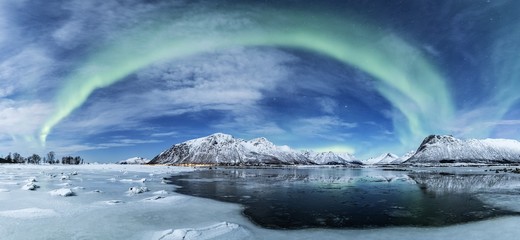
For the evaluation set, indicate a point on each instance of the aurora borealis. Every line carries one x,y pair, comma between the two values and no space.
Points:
362,76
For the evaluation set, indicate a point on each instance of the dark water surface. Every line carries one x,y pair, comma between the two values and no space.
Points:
347,198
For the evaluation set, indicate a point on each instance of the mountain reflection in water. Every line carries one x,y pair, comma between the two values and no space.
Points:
295,198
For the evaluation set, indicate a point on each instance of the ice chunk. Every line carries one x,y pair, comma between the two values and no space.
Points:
4,190
223,230
28,213
64,192
65,177
137,190
30,186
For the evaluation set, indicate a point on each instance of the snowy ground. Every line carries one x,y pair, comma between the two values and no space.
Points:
132,202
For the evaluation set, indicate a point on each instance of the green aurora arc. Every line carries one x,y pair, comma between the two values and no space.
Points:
406,78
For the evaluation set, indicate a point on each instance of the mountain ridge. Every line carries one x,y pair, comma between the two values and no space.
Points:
224,149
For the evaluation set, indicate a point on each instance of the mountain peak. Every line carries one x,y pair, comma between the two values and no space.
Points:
220,136
384,158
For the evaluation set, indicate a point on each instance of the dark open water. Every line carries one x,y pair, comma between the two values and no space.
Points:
348,198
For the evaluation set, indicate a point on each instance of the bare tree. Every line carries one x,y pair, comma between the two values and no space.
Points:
34,159
17,158
50,157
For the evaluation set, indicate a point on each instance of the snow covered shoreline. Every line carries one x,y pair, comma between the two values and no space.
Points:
102,209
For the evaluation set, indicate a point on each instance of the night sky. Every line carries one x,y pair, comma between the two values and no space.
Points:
109,80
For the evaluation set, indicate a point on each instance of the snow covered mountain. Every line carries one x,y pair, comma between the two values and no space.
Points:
446,149
134,160
330,158
385,158
403,158
224,149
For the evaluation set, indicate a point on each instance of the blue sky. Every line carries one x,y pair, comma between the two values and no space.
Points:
109,80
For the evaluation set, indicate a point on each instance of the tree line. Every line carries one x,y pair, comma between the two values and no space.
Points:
50,158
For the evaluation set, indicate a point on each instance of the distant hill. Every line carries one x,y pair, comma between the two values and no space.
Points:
385,158
134,160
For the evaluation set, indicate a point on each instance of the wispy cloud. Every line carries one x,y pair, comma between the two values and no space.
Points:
335,149
233,81
23,71
323,127
250,123
71,146
165,134
504,123
327,104
21,118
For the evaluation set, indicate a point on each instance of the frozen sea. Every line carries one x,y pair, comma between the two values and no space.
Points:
136,202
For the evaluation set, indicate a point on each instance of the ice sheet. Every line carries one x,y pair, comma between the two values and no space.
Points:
102,209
